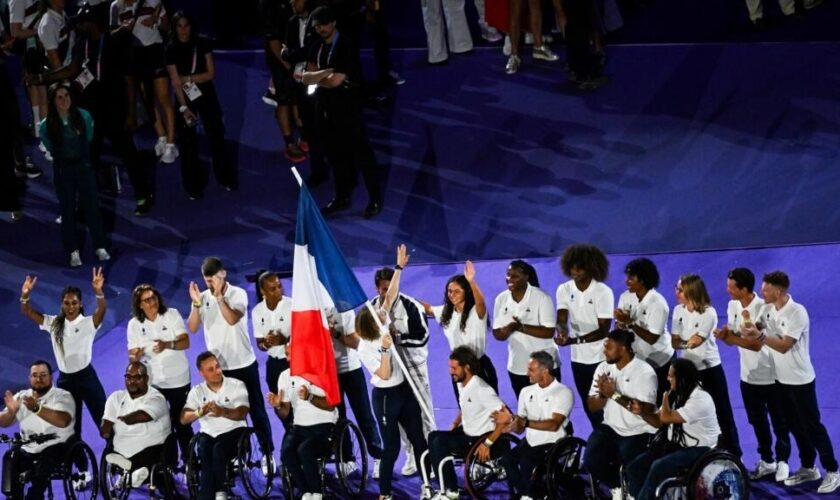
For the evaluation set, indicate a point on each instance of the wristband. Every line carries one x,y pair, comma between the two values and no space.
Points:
196,304
616,397
198,413
398,267
684,345
183,109
383,350
100,296
38,410
310,397
488,442
579,340
172,345
24,300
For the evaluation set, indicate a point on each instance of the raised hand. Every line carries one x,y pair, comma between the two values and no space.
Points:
402,256
195,293
98,281
12,404
28,285
469,271
218,286
387,341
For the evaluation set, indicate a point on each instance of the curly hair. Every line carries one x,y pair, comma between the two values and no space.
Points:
138,292
644,270
587,257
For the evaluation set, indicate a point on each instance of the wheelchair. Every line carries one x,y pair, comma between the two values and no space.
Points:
482,480
115,473
253,463
563,474
77,470
346,459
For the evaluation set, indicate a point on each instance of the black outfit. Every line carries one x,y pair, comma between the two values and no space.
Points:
606,451
250,376
341,124
714,382
521,463
85,387
19,461
443,444
215,452
803,412
176,397
189,59
11,140
578,34
759,402
300,451
583,374
275,15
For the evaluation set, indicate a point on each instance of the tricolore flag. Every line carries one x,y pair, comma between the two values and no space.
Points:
322,280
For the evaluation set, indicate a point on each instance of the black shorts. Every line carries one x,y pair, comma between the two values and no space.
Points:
285,86
149,62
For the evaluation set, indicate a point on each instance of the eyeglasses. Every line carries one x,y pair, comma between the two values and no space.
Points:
149,300
39,375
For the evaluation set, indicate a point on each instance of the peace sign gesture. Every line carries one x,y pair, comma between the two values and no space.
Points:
98,281
28,285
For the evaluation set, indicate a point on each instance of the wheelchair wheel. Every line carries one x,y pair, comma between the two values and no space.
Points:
288,486
349,447
114,481
565,476
256,464
488,479
193,467
718,474
81,476
164,482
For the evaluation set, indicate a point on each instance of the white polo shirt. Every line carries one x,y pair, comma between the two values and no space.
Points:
372,359
585,309
756,367
55,399
143,35
279,320
78,342
306,413
232,394
132,439
651,313
541,403
473,336
24,12
636,381
230,343
478,401
793,367
535,308
686,324
701,425
169,368
55,34
346,358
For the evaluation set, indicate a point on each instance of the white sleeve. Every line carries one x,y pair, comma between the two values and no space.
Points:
707,323
499,320
240,395
560,298
193,399
797,324
176,321
602,368
238,300
622,302
677,321
657,318
132,336
17,12
546,313
563,402
647,388
369,356
111,405
115,14
348,322
604,303
699,406
257,321
437,311
284,385
48,34
155,405
47,324
520,406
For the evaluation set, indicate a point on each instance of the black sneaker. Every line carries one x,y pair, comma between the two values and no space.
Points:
28,169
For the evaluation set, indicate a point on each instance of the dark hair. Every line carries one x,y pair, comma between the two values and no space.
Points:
544,359
86,14
55,125
743,278
384,274
587,257
644,270
210,266
57,327
694,291
322,15
138,291
180,14
777,278
526,269
449,307
204,356
262,275
623,336
688,378
39,362
366,325
466,358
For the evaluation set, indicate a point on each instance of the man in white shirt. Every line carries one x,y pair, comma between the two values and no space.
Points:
478,402
758,376
787,334
618,381
137,420
220,404
42,409
223,309
543,414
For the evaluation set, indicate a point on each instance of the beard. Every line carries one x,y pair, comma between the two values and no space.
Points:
41,391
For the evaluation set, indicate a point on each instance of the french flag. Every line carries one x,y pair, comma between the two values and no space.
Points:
321,280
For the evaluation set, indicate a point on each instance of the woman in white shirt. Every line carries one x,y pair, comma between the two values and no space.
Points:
463,317
157,337
688,412
692,327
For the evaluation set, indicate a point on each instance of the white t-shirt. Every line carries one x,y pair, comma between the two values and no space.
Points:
24,12
701,425
132,439
143,35
346,358
279,320
636,381
651,313
232,394
686,324
793,367
372,359
306,413
55,34
169,368
478,401
230,343
55,399
78,342
535,308
585,309
756,367
473,336
541,403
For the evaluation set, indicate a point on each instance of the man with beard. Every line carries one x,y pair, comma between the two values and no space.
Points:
42,409
137,420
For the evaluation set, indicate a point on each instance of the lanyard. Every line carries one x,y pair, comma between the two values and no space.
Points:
330,53
195,59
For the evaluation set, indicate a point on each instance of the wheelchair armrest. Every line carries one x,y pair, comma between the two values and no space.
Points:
671,482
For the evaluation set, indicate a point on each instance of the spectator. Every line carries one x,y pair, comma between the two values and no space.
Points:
535,16
24,16
456,33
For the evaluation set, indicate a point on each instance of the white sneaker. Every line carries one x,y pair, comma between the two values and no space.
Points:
221,495
490,34
160,145
617,493
75,259
830,483
170,153
782,471
446,495
348,468
103,256
409,467
317,496
82,483
58,220
506,46
306,496
512,65
525,497
375,472
762,469
138,476
544,53
803,475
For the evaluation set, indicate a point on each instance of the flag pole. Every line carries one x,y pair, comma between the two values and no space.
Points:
297,176
401,365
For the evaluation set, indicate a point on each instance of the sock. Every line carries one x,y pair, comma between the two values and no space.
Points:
36,120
